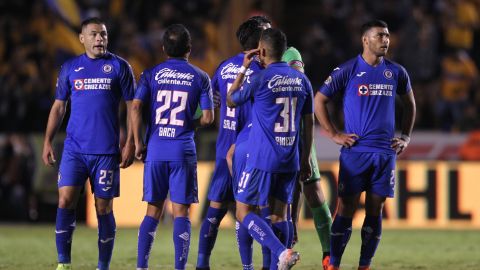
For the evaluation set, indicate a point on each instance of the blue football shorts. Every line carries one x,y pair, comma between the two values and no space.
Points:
102,170
372,172
239,162
255,186
221,189
178,177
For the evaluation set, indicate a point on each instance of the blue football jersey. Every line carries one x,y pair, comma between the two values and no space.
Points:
281,96
368,100
95,88
171,92
232,120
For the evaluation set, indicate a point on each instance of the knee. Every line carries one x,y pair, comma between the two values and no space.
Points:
240,214
179,210
374,209
66,202
103,207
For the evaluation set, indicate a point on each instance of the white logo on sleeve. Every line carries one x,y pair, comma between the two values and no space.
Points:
78,69
360,74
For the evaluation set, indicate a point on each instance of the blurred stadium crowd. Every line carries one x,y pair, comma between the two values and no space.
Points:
437,41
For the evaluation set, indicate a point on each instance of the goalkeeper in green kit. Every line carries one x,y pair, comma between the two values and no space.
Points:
312,189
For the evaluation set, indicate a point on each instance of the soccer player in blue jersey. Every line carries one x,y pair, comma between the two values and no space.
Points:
311,187
171,92
369,84
231,122
282,96
94,83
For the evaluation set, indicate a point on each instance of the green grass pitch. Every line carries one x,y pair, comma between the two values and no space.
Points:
25,247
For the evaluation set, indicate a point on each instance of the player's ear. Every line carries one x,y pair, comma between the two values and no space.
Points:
81,38
364,39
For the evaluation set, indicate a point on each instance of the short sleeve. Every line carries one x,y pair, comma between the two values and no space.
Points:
308,106
143,92
335,83
403,85
63,88
246,90
206,97
127,81
293,58
215,86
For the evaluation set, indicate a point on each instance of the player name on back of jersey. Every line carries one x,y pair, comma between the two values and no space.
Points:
172,76
230,71
166,132
92,84
285,141
279,83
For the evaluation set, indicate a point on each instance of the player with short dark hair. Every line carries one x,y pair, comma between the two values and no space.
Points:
94,83
311,187
171,92
368,84
281,97
232,120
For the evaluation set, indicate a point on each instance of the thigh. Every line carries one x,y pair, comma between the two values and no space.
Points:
104,175
383,178
155,181
221,185
183,182
73,170
355,173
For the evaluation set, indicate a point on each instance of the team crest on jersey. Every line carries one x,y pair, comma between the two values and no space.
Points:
107,68
78,84
328,80
387,73
363,90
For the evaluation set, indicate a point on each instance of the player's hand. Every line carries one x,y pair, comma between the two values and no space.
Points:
346,140
399,144
248,58
127,156
48,155
140,150
216,99
305,170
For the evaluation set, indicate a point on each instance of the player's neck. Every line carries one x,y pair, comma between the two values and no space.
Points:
93,57
372,59
268,61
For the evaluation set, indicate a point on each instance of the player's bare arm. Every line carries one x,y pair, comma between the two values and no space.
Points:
321,112
305,168
136,123
54,120
408,119
247,60
128,150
